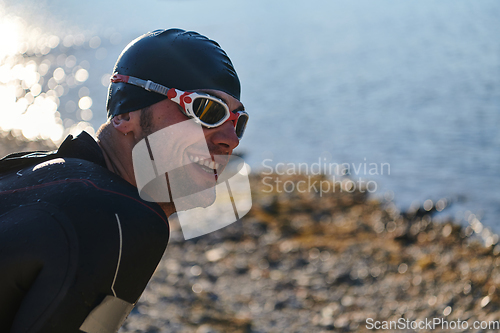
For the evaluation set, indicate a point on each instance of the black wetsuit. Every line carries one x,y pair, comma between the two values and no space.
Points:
77,244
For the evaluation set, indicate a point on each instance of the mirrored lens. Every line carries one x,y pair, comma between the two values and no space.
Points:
209,111
241,124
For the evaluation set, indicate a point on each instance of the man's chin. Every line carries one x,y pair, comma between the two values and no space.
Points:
200,200
184,204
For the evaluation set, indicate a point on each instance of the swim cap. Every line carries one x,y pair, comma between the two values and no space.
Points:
174,58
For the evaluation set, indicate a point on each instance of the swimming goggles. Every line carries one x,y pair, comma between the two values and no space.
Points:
205,109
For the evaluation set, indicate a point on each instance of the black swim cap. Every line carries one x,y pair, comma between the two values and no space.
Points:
175,58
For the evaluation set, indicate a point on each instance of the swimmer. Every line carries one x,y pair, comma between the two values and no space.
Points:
78,242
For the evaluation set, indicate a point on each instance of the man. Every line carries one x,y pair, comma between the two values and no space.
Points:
78,243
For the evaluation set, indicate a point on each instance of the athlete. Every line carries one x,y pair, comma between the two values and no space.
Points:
78,242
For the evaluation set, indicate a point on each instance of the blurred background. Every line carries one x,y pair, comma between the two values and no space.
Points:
415,84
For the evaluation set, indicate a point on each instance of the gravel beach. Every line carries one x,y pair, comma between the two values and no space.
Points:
322,262
342,261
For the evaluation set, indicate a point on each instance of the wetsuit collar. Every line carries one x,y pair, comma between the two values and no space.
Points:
83,147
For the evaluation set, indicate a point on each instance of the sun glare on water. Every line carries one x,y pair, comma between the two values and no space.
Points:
40,78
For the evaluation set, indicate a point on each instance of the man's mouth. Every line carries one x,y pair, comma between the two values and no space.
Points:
206,163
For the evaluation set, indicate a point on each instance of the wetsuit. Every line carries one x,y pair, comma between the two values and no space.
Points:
77,244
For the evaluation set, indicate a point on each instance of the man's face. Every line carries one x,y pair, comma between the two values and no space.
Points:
200,166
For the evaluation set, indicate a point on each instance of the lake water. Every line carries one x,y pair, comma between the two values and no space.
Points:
414,84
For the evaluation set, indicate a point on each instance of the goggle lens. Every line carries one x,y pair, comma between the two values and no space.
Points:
241,124
208,111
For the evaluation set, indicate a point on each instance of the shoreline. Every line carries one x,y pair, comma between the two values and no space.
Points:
298,262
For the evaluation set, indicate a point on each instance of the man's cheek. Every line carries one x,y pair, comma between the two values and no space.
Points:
170,145
162,157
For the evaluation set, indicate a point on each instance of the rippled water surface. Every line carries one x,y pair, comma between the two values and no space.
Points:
413,84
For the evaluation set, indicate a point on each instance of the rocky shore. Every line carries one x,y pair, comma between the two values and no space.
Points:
319,262
298,262
13,141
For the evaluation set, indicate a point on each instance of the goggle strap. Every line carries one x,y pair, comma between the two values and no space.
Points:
155,87
148,85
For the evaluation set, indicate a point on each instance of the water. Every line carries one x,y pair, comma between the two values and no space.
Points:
413,84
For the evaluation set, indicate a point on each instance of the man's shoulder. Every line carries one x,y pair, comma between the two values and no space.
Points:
76,179
76,186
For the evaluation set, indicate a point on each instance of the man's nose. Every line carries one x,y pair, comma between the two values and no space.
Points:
225,136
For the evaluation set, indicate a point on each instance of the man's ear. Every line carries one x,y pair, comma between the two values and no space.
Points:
126,122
